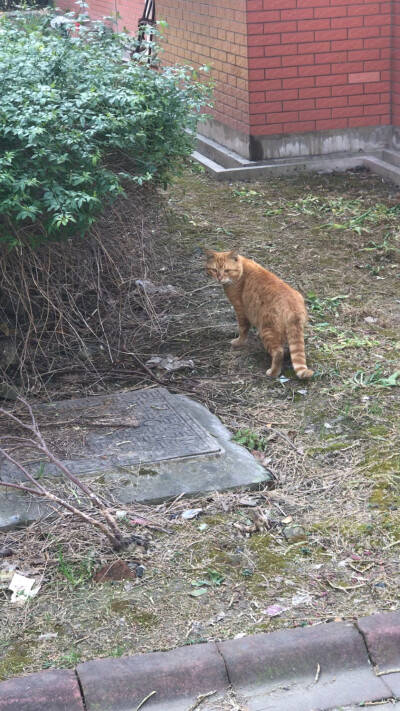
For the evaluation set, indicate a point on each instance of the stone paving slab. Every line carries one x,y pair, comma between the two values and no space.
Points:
320,668
234,469
52,690
177,677
18,509
393,682
107,432
382,637
173,446
302,669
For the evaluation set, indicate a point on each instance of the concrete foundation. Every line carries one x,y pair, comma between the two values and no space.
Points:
320,143
375,149
294,145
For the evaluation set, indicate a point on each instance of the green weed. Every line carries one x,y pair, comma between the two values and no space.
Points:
318,305
76,574
70,659
348,340
250,439
247,195
377,378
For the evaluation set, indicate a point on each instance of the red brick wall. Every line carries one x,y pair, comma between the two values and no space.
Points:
212,32
285,66
318,64
396,64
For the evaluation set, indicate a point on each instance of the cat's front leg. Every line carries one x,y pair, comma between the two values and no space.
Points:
244,327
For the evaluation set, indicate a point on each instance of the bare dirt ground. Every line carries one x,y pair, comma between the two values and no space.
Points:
331,547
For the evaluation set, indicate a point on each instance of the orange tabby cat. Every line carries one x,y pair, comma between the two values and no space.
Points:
262,300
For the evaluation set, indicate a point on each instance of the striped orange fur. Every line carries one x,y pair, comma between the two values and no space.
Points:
262,300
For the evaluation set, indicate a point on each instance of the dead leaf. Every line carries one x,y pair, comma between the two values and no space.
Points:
246,501
117,570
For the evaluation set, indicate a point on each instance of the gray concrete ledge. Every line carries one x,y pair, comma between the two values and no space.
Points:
362,139
226,164
324,666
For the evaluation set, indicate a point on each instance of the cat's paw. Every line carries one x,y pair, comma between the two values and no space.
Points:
273,373
237,342
305,374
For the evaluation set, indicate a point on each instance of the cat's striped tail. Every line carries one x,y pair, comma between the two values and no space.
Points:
295,337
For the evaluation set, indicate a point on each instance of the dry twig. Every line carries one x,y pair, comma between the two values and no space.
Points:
35,441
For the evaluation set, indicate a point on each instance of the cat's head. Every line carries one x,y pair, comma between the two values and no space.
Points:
225,267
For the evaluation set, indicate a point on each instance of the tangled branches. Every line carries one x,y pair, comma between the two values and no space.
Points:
32,438
76,304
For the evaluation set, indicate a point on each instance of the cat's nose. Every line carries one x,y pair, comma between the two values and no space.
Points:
220,277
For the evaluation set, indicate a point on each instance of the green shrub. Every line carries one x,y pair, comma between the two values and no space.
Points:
12,5
77,119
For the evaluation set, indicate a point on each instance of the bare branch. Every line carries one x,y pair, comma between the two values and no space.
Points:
110,528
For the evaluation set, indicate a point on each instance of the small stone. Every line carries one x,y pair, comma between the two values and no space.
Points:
48,635
121,514
292,532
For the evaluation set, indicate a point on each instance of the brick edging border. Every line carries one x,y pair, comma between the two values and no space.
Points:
250,665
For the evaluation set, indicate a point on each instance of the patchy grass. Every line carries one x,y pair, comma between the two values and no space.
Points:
332,444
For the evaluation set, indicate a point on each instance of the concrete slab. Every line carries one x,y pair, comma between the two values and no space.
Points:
96,434
303,669
18,509
147,445
296,166
172,680
384,168
232,468
392,681
376,707
382,636
53,690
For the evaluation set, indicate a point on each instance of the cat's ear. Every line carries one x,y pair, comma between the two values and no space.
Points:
208,252
234,254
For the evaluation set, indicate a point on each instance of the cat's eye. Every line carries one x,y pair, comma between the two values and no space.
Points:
213,270
227,270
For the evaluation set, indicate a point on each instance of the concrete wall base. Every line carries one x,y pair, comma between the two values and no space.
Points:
225,164
293,145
